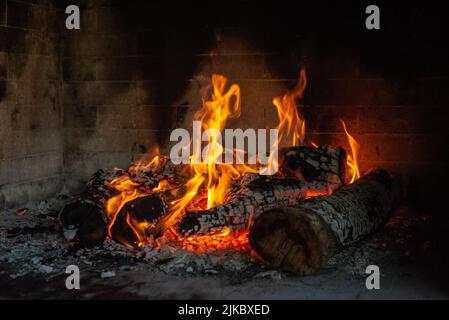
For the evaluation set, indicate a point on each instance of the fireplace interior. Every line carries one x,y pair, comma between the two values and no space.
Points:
109,95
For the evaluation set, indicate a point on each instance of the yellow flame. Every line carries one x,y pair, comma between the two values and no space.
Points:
210,173
292,127
210,178
352,159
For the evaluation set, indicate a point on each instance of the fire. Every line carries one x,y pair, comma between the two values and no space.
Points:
352,159
292,127
223,240
128,192
209,178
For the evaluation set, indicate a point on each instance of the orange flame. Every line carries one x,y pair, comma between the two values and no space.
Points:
352,159
129,190
210,178
209,171
292,127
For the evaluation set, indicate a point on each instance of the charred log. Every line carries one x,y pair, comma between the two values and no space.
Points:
89,206
86,217
135,218
307,170
314,164
302,239
242,206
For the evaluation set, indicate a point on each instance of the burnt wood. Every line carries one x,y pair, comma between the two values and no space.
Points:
85,216
89,207
325,164
301,239
243,205
135,218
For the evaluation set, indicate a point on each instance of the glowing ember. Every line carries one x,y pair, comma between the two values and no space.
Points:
224,240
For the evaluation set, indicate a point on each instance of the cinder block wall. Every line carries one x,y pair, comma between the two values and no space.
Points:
31,135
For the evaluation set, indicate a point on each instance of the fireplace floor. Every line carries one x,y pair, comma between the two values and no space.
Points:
411,252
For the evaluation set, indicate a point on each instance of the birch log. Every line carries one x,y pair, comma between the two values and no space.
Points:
302,239
244,205
324,164
306,170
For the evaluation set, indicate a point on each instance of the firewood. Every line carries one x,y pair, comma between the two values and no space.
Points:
99,188
135,218
301,239
86,217
306,169
314,164
243,205
80,213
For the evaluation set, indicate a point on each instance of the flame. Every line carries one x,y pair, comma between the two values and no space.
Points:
128,190
352,159
292,127
314,193
144,164
209,172
138,229
209,178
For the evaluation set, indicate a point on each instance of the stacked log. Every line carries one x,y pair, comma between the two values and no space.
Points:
301,239
324,164
87,212
305,170
302,170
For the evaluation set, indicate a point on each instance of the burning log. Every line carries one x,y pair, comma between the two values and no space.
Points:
308,170
87,213
314,164
260,195
135,218
303,238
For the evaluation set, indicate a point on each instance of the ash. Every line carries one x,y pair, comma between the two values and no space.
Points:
33,246
35,243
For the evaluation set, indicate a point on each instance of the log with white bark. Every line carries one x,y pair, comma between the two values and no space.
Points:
317,170
325,164
301,239
243,206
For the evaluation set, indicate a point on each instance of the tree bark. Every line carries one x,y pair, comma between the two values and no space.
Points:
243,205
324,164
87,212
303,238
